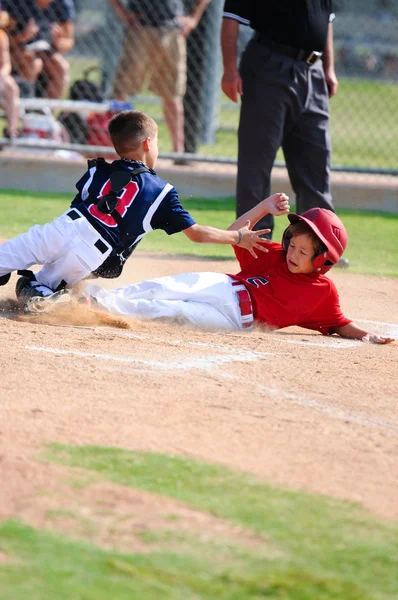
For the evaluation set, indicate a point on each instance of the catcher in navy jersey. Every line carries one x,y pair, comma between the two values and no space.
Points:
116,205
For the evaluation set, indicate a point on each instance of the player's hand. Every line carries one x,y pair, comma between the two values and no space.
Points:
30,31
231,84
252,240
331,82
188,24
56,34
371,338
277,204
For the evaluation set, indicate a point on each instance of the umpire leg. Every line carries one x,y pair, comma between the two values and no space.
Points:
307,147
261,127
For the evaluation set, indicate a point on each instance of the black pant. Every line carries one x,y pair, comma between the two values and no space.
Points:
284,103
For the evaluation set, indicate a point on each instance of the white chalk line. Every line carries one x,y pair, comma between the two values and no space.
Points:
332,411
205,362
327,343
234,354
377,322
208,363
391,329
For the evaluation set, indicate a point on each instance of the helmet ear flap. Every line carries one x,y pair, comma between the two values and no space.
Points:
319,260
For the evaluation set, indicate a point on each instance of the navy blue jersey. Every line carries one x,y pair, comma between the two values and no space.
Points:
146,203
60,11
22,11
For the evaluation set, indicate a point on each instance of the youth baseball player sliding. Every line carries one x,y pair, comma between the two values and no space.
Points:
116,206
285,285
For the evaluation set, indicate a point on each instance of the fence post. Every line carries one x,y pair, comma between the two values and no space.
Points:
203,86
112,47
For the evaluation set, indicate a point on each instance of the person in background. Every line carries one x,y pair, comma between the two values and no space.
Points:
23,30
285,80
154,48
57,27
9,90
41,31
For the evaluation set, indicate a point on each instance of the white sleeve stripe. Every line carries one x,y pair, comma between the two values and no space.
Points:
147,221
85,192
228,15
137,239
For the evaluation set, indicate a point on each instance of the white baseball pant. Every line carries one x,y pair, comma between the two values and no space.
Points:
65,247
209,300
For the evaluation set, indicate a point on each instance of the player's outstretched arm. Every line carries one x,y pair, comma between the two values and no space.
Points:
277,205
354,332
243,236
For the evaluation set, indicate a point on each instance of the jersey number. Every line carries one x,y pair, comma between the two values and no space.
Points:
124,201
257,281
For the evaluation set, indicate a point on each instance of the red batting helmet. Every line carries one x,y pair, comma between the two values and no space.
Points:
329,229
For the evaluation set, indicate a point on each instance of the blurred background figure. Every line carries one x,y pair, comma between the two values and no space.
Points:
9,90
23,29
41,31
390,67
57,29
385,10
154,52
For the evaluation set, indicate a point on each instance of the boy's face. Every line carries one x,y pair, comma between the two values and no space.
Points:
299,254
153,152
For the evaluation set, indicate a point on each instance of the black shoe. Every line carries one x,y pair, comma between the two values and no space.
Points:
36,298
4,279
23,288
343,263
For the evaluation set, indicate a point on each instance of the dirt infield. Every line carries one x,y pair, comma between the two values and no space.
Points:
299,409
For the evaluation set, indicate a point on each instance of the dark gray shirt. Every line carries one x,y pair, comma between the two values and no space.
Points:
300,23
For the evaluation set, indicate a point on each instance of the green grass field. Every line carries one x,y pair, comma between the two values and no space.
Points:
372,248
305,547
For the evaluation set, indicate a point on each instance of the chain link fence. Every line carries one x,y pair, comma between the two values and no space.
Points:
68,94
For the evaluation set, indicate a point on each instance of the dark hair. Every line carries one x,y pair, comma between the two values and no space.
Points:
301,228
129,128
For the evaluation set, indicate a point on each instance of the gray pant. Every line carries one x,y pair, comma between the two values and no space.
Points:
284,103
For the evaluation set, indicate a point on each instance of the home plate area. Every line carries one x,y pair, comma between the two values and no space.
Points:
202,355
292,367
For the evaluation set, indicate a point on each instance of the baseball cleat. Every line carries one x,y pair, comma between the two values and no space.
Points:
45,304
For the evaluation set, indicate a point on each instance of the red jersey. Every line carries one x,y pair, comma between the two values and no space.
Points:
281,299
